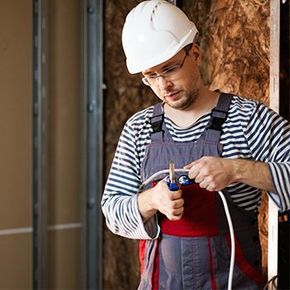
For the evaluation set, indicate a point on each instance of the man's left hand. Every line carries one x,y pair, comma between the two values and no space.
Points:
212,173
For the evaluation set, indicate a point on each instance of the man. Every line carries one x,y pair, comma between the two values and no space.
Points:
224,142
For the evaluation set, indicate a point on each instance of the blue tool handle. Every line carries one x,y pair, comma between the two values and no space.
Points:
173,186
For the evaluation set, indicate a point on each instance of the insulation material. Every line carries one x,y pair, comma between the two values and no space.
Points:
235,41
124,95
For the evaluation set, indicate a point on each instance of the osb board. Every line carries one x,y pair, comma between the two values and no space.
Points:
234,38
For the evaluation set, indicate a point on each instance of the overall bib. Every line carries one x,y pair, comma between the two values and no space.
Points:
194,252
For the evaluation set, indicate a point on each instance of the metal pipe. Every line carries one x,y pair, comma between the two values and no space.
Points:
40,150
93,143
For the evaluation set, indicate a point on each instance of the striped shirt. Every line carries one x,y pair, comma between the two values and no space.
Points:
251,131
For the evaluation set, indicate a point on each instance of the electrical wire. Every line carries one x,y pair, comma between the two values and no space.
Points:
272,282
232,236
227,212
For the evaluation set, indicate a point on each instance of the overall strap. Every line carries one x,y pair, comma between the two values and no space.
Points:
218,116
160,132
156,122
220,113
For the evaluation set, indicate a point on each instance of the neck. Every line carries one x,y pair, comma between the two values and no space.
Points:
203,104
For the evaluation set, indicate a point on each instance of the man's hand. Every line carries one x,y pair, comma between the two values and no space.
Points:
160,198
215,173
212,173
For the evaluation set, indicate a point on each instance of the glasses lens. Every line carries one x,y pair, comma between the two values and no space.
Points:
167,72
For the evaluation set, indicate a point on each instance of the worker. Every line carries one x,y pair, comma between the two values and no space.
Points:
223,142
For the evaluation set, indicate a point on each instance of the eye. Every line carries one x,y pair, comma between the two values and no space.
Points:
152,76
170,69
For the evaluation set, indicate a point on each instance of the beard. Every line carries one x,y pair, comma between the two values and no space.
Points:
184,101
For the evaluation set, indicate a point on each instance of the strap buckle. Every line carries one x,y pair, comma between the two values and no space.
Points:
156,122
218,117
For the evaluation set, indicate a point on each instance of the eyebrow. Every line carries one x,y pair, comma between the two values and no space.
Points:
162,68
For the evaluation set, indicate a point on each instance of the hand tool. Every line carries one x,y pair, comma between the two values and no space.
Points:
172,182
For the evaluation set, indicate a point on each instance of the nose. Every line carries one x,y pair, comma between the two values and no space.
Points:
164,83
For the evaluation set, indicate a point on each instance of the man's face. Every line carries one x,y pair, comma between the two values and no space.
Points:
177,81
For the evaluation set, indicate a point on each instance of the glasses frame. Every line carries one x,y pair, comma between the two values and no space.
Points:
168,70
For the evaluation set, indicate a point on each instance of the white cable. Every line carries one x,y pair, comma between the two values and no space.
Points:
232,236
161,172
228,216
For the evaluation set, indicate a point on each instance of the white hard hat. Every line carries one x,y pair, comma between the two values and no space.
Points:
154,31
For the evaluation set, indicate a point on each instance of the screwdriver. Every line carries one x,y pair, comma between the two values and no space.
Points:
172,182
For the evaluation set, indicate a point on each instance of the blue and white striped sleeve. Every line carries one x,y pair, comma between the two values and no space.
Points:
119,201
269,139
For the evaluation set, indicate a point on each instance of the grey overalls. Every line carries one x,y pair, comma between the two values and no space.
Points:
194,252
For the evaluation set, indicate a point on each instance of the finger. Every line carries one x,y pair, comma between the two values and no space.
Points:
175,215
208,186
189,166
194,172
174,195
178,212
198,177
192,164
203,184
178,203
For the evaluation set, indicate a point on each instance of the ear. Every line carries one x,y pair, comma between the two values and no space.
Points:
195,52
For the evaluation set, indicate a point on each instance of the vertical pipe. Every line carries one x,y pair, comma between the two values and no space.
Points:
284,93
274,54
40,134
274,103
93,92
284,60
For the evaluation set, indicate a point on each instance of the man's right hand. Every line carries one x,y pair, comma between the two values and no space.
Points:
160,198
